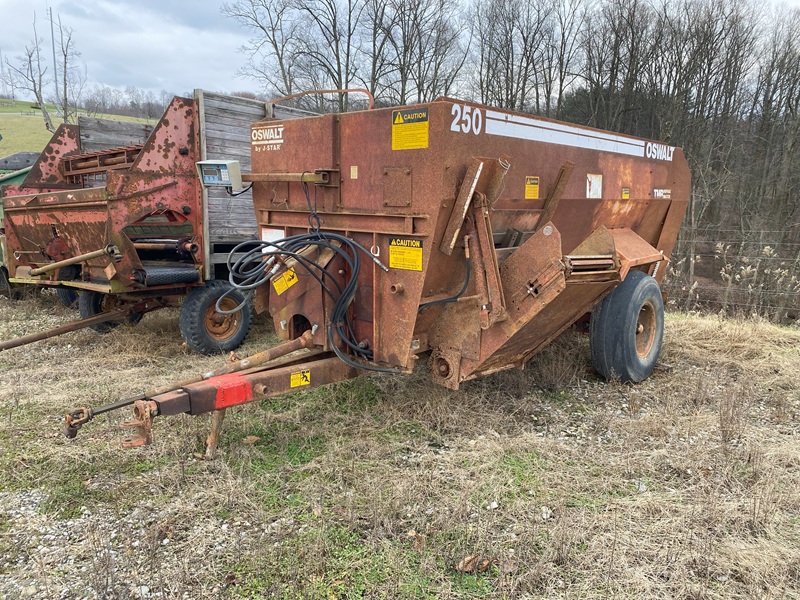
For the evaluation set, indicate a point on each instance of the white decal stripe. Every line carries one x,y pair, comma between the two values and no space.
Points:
493,114
554,133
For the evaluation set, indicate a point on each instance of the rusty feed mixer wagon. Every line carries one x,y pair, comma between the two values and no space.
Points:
472,234
115,210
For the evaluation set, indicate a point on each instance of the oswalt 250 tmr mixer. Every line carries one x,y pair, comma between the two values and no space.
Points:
473,234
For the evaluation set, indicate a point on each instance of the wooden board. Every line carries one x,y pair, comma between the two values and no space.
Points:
225,128
101,134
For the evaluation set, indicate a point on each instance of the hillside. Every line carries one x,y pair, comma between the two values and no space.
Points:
23,130
541,483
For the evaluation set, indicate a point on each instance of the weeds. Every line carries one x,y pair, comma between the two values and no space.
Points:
682,486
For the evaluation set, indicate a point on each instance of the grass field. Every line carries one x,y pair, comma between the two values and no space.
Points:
25,132
542,483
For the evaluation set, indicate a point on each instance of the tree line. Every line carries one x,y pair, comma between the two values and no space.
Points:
719,78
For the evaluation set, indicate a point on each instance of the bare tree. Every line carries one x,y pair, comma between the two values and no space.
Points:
427,49
28,74
329,46
374,65
559,69
273,47
73,77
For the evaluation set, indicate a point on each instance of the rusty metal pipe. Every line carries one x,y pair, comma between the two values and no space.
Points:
342,91
86,164
161,246
139,307
290,177
77,417
167,246
109,250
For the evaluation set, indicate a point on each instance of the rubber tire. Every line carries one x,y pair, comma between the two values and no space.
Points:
67,296
7,289
199,303
614,324
91,303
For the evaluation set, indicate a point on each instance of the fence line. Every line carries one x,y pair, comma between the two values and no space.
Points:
768,285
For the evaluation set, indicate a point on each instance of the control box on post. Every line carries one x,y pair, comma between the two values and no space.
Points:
220,173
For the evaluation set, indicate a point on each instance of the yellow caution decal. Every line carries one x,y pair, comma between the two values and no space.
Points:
405,254
626,193
531,188
410,128
299,378
285,281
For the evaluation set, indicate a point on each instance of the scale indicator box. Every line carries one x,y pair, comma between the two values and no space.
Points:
220,173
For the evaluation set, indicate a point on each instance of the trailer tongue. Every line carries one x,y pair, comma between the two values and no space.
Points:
474,234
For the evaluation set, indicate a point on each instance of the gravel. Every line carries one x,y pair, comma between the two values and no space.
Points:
144,553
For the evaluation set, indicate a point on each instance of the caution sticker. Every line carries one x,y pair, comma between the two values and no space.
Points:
285,281
300,378
626,193
531,188
405,254
410,129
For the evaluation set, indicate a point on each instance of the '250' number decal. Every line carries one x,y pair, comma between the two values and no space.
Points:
466,119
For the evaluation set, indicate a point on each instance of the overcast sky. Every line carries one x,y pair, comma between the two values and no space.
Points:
170,45
156,45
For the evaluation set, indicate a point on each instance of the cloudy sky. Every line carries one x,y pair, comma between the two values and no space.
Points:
156,45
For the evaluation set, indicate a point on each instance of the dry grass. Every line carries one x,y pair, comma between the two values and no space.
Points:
684,486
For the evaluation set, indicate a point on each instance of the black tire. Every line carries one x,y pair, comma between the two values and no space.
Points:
8,289
205,330
91,303
67,296
627,329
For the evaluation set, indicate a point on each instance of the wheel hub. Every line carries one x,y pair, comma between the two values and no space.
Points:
221,326
646,330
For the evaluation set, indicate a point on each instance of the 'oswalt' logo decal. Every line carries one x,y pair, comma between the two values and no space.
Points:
658,151
267,138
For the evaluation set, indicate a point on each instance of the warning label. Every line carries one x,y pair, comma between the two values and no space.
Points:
410,129
531,188
285,281
300,378
626,193
405,254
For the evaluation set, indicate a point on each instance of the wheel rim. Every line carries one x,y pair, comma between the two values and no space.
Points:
222,327
646,330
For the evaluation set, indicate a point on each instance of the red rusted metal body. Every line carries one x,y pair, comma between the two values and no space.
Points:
146,193
555,216
491,233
